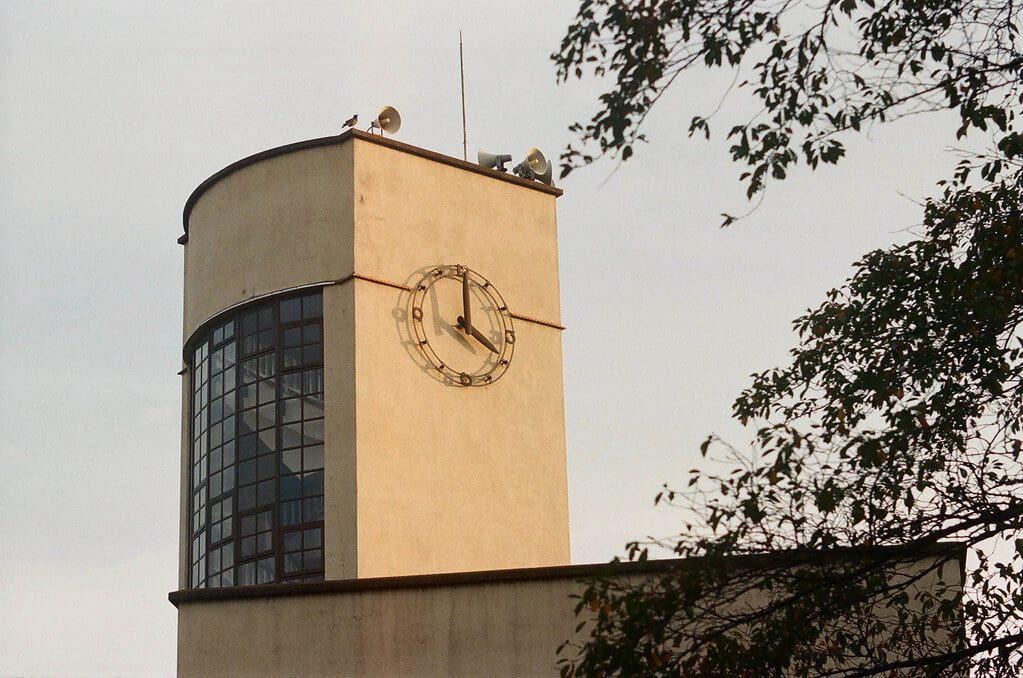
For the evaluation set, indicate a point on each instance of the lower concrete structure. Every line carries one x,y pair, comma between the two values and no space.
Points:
495,623
499,623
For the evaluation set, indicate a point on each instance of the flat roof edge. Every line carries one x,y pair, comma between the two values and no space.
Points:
344,138
954,550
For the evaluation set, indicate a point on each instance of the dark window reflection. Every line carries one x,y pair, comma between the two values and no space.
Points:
257,446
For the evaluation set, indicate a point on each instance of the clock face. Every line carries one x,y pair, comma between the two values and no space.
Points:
462,326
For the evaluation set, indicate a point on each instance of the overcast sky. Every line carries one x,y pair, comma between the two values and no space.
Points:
112,112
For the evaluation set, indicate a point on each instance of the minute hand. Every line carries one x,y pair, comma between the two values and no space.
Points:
466,307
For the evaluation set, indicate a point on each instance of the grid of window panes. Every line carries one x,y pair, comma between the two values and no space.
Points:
257,446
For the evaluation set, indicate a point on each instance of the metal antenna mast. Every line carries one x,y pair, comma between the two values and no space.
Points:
461,65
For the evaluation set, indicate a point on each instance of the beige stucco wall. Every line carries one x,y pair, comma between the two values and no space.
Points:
420,476
453,478
506,623
281,222
472,630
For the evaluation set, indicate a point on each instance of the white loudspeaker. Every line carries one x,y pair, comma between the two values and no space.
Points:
548,176
387,120
534,164
493,161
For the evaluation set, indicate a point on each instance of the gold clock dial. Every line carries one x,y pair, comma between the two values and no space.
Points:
462,326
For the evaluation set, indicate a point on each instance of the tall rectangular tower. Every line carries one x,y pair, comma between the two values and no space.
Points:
373,381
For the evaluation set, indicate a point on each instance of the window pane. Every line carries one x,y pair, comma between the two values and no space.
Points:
266,317
312,509
291,310
291,435
267,441
267,466
266,366
247,472
313,407
291,384
266,493
267,415
249,370
292,541
292,337
247,574
265,571
291,487
312,458
249,525
248,421
312,381
217,409
267,391
313,353
312,306
247,446
265,339
246,497
263,542
291,461
291,410
312,484
312,432
291,512
228,428
249,323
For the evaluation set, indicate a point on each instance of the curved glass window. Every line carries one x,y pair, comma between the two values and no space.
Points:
256,481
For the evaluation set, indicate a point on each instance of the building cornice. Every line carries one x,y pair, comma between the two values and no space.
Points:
344,138
950,550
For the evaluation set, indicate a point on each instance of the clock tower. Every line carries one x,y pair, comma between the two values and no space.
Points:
373,376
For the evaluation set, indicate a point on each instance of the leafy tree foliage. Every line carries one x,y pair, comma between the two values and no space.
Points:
896,427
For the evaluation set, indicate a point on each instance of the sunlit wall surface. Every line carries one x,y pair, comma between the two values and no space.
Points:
256,480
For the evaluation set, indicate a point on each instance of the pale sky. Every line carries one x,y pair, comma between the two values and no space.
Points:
111,113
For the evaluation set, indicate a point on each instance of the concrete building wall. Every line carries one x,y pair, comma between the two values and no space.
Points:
453,478
277,223
446,631
504,623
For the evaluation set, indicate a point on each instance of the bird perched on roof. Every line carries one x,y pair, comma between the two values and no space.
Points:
352,121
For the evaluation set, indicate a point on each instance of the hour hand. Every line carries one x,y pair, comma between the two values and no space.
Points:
479,336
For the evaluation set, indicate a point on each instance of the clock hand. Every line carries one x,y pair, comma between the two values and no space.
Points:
479,336
465,301
482,339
